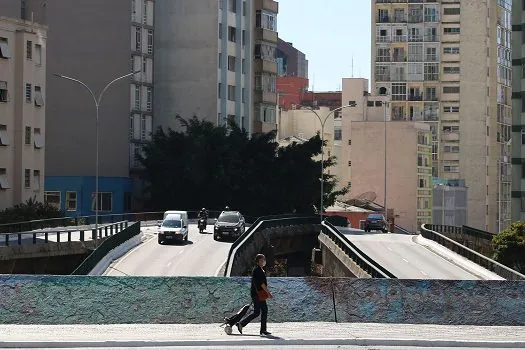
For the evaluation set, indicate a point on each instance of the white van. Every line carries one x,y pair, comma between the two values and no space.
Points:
173,228
183,214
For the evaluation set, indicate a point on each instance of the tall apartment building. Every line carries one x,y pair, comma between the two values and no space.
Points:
222,68
518,110
291,61
22,111
94,41
447,63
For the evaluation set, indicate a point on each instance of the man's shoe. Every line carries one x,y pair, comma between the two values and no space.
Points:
239,327
266,333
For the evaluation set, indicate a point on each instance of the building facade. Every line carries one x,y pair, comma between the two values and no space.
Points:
223,69
291,61
449,202
110,39
429,58
23,47
518,111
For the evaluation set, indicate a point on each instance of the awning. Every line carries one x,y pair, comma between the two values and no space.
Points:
39,100
4,49
38,140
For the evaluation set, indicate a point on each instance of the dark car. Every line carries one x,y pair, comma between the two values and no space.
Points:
376,221
230,224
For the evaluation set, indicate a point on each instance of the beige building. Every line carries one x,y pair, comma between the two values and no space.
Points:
448,63
22,112
360,150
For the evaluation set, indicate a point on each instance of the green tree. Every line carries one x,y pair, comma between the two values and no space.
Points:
30,210
509,246
214,166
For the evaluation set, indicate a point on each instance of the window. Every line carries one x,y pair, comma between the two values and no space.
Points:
269,82
52,198
29,93
145,13
137,97
383,54
138,39
38,139
243,66
28,135
39,99
258,81
220,30
243,95
149,99
29,49
27,178
338,133
451,70
4,48
349,163
431,71
451,109
451,89
105,201
150,42
451,168
244,8
243,37
231,63
36,179
451,50
266,20
454,30
219,88
399,91
231,92
4,183
143,127
232,31
38,54
451,11
447,129
4,141
451,149
71,201
523,136
232,6
4,96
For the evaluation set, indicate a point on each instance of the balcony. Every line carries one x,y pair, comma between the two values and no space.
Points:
260,96
415,97
415,38
262,34
383,19
261,65
270,5
399,38
431,38
383,39
399,58
415,19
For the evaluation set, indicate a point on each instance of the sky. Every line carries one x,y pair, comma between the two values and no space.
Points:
329,33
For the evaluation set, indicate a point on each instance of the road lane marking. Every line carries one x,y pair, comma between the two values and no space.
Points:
389,248
424,273
169,264
405,260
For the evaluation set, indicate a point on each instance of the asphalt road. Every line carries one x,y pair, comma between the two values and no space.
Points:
406,258
199,256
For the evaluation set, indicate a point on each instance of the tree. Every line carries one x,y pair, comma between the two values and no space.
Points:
509,246
214,166
30,210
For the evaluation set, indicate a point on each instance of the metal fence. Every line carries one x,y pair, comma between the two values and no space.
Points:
429,232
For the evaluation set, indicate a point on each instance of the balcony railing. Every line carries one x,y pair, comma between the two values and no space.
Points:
415,97
431,38
399,38
383,19
415,38
382,39
415,19
399,58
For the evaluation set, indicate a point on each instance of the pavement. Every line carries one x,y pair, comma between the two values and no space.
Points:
285,335
406,258
201,255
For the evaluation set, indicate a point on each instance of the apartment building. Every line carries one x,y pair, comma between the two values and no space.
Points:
224,69
22,111
447,63
292,74
94,41
518,111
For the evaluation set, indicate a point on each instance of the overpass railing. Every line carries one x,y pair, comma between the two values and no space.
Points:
428,232
62,234
108,245
361,259
261,224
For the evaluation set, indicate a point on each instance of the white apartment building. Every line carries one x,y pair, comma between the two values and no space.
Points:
22,112
448,63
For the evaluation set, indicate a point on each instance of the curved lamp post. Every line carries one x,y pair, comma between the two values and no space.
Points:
97,101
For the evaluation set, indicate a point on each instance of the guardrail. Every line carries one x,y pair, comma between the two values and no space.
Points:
41,224
361,259
260,224
33,237
462,230
470,254
109,244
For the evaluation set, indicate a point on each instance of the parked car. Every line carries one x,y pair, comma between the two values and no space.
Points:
229,224
173,228
376,221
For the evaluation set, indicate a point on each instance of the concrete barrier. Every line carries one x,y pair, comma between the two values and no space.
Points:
121,300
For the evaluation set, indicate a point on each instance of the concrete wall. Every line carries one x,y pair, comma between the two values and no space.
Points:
121,300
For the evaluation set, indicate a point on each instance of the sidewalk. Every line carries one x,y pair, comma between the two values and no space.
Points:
284,334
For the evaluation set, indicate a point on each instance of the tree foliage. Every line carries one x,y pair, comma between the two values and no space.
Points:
30,210
509,247
210,166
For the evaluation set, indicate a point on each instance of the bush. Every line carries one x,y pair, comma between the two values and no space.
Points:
30,210
509,247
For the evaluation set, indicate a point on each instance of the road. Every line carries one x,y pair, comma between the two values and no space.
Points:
200,256
405,258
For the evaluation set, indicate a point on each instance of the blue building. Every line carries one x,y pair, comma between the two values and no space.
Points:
76,194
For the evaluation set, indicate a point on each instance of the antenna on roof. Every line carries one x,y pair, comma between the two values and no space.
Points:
352,65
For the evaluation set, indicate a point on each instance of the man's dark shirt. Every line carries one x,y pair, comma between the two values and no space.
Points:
258,279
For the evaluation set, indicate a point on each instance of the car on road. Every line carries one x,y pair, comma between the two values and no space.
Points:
376,221
173,228
230,224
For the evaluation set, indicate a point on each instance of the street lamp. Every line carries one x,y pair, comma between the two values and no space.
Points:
323,122
385,104
97,101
